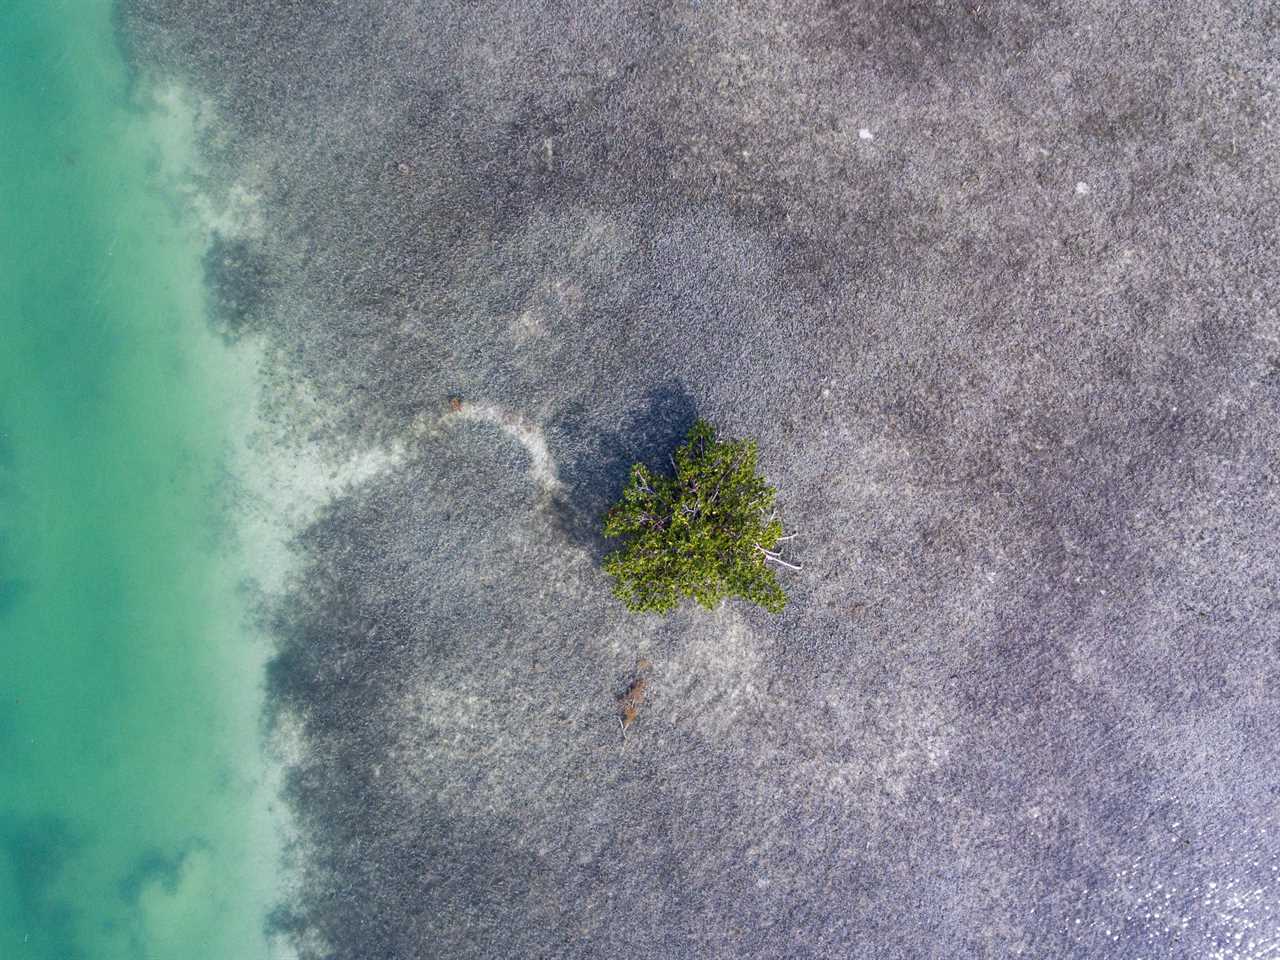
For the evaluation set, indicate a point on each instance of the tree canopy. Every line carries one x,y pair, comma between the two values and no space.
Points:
707,533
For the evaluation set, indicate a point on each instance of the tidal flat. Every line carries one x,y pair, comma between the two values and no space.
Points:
994,286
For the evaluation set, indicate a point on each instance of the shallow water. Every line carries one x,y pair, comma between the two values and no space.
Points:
133,809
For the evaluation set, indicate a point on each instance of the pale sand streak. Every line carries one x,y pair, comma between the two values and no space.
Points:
542,467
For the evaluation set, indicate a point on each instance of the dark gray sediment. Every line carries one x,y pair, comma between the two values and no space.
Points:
994,286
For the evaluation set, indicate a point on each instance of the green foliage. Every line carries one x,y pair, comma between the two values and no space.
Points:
701,534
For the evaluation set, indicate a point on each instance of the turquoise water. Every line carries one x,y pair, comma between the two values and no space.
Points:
131,801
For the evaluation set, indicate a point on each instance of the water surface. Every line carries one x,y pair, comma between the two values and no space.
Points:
131,804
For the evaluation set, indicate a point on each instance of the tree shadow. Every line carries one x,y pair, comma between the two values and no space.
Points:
595,459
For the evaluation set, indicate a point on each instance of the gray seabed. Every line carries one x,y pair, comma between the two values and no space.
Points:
995,287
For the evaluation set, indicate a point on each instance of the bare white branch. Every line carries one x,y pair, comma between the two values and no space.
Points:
777,558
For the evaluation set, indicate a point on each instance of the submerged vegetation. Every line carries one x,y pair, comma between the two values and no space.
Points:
708,533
